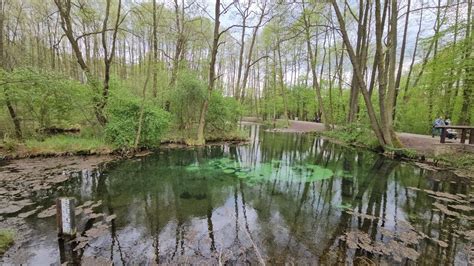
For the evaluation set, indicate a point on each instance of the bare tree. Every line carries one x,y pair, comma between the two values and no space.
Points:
212,68
64,8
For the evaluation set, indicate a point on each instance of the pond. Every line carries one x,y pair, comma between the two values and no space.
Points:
281,198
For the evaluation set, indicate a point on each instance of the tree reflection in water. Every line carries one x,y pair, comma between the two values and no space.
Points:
176,207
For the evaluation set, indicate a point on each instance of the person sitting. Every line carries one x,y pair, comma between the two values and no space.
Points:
447,121
435,130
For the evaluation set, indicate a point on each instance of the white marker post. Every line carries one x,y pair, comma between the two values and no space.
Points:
65,216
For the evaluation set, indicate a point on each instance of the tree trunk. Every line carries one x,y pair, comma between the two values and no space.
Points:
465,118
400,63
358,74
249,63
155,52
212,75
244,14
11,109
412,63
64,8
282,83
312,59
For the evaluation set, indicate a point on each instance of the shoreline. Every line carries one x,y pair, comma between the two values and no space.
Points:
421,160
6,157
430,155
28,176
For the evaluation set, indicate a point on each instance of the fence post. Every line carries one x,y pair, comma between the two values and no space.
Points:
65,216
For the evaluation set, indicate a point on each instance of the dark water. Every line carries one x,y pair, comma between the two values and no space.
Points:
283,198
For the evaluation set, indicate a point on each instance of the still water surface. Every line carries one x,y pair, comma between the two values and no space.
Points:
282,198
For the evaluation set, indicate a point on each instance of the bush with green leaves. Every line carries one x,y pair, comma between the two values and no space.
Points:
123,121
186,99
43,99
223,113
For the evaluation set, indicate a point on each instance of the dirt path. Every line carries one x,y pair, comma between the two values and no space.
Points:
302,127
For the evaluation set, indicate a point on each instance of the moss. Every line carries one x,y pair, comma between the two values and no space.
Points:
6,240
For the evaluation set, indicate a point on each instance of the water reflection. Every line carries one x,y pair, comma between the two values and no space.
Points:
167,213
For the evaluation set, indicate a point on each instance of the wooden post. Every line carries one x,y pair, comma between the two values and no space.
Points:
471,136
65,216
443,135
463,135
67,254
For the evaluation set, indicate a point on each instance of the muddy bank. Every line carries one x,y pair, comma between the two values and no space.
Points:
22,179
25,182
22,152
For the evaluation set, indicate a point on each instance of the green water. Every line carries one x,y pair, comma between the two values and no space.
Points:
282,198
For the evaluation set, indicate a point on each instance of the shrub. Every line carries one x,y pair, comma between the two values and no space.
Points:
223,113
6,240
186,99
45,99
355,134
123,120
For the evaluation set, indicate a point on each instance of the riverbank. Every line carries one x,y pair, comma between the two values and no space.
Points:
198,186
70,145
422,149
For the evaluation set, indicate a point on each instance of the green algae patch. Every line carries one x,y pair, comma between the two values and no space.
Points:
263,171
318,173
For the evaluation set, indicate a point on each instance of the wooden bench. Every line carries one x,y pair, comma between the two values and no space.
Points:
464,130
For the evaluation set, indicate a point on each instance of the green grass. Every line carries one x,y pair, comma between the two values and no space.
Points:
458,160
354,135
66,143
275,124
6,240
364,137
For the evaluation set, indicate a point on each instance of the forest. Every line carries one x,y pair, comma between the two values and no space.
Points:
236,132
129,74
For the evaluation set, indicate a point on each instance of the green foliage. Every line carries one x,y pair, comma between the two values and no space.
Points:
67,144
275,124
6,240
354,134
123,120
439,92
8,144
44,99
186,99
301,102
223,113
459,160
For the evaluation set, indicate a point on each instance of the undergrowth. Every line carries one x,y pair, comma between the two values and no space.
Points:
6,240
275,124
354,134
67,143
460,160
